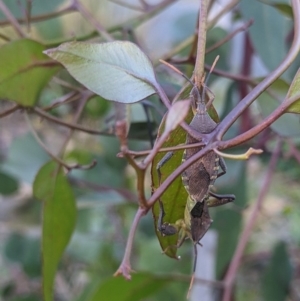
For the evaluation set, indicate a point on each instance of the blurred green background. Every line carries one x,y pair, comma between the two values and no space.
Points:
105,196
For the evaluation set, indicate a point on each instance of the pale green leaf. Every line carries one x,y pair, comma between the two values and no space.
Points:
176,114
118,71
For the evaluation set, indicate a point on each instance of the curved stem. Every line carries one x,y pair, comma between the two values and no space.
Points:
125,267
228,7
262,126
42,17
9,111
229,36
76,118
169,180
166,149
12,20
43,146
91,19
69,125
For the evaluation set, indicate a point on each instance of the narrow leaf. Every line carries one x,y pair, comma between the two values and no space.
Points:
24,71
118,71
59,214
294,90
175,196
176,114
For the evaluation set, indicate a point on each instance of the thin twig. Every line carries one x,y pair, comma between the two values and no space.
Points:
54,157
43,146
67,98
42,17
66,84
246,136
76,118
129,5
228,7
9,111
91,19
232,76
126,194
121,133
125,267
68,125
12,20
165,149
229,37
244,238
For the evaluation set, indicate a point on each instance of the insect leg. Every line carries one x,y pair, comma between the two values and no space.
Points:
162,162
220,199
164,228
223,167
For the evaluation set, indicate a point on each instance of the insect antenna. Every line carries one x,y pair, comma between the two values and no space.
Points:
206,82
182,74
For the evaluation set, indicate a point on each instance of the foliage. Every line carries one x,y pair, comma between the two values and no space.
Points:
83,97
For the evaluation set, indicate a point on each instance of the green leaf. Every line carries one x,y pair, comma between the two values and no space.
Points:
175,196
119,289
277,276
268,41
294,90
118,71
59,215
24,71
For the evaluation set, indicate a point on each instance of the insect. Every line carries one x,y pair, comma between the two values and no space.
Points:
197,178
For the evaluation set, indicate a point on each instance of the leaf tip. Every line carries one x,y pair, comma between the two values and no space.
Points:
49,52
176,114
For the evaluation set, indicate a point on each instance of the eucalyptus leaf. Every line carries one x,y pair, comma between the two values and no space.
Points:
176,114
118,71
59,215
175,196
